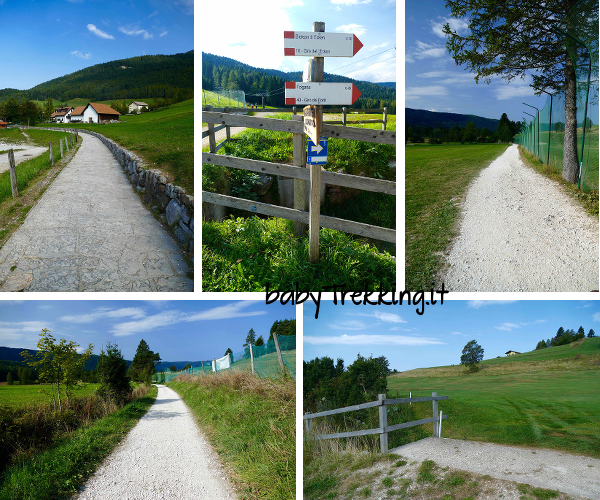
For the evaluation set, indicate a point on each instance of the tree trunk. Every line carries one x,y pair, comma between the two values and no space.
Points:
570,171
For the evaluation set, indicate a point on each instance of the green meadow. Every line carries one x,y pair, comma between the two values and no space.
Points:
545,399
23,395
164,139
436,180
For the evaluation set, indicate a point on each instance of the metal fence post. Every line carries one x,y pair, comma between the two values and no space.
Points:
307,422
384,124
435,415
279,356
383,437
251,358
51,155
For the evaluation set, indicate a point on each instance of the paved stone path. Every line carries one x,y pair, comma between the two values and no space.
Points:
91,232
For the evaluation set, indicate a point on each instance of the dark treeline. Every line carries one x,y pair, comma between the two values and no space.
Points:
504,132
225,73
564,337
156,76
332,385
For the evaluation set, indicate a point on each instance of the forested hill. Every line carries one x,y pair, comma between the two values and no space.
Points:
226,73
166,76
422,118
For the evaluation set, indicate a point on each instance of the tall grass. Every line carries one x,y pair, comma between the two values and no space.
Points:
251,424
55,469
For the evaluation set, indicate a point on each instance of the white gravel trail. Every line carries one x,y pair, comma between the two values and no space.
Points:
521,233
554,470
164,457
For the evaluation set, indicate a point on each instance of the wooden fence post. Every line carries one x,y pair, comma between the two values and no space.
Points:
61,149
383,437
51,155
279,356
211,134
227,127
384,124
13,173
299,144
314,213
67,142
344,116
435,415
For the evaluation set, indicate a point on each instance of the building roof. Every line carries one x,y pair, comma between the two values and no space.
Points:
103,109
139,103
512,351
78,111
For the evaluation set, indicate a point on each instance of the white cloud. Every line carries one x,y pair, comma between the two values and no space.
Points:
424,50
384,316
134,31
596,316
99,33
356,29
163,34
380,46
103,312
458,333
364,340
508,327
510,91
476,304
350,2
461,26
348,325
148,323
80,55
431,90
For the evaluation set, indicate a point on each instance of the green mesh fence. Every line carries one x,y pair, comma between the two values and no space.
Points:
543,135
266,362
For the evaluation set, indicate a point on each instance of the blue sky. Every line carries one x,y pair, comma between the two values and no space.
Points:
438,337
46,39
255,35
185,330
434,82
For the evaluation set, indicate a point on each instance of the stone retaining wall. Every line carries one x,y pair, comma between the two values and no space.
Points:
168,199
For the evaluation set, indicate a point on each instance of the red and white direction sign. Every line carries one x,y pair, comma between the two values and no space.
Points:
320,44
321,94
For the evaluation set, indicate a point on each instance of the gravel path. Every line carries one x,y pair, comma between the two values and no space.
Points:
163,457
91,232
27,153
521,233
555,470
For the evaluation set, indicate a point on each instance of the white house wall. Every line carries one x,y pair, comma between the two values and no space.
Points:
90,113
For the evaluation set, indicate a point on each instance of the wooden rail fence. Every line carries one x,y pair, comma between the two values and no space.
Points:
300,214
383,428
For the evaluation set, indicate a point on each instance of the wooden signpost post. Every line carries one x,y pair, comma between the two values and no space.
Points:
314,93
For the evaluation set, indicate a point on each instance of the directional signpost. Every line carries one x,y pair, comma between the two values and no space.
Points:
298,93
309,43
317,153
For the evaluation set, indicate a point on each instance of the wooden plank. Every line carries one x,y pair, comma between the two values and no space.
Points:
255,206
365,432
263,167
413,400
299,151
412,424
331,178
358,182
216,129
297,127
291,109
366,230
314,213
362,406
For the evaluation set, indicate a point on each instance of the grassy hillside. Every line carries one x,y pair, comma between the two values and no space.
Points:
251,423
165,139
546,399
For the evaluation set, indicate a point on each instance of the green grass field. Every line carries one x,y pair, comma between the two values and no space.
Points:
164,139
546,398
21,395
218,101
436,180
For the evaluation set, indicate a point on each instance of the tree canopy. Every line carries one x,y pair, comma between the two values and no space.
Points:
472,354
518,39
143,365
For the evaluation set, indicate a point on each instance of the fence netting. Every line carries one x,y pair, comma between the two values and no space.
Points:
266,362
224,98
543,134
